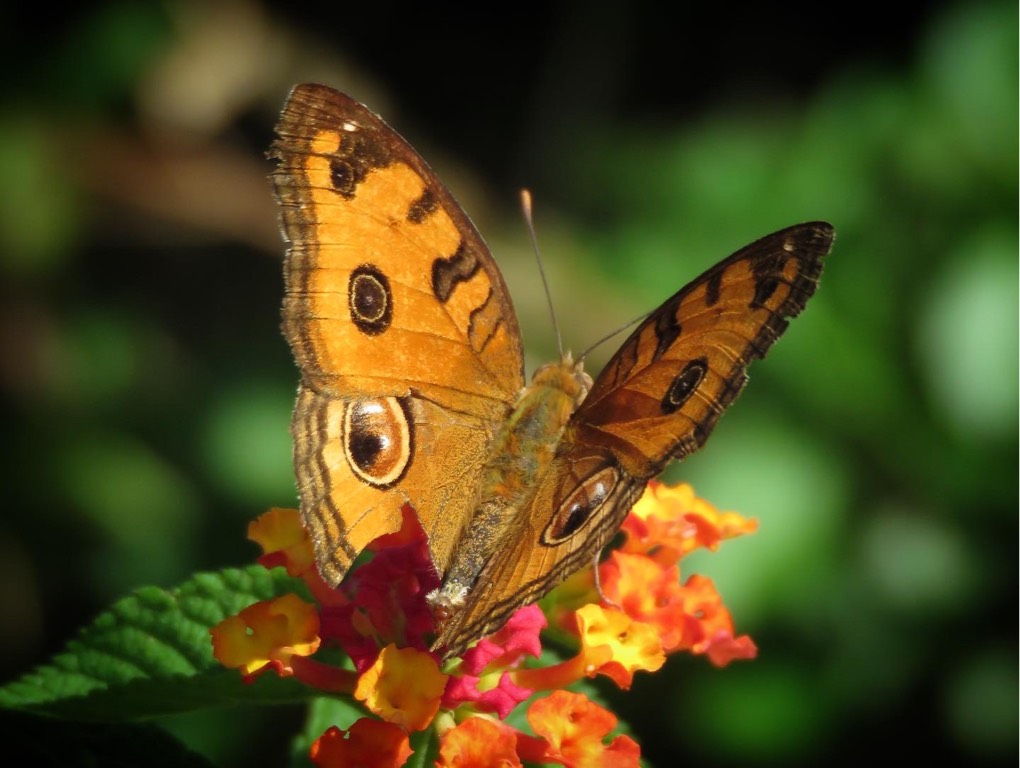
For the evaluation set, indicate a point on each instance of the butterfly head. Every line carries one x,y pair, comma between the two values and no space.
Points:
565,375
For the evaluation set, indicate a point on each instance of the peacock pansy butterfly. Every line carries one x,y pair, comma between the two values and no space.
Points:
412,385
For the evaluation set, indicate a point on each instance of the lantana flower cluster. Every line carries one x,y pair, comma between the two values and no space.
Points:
623,619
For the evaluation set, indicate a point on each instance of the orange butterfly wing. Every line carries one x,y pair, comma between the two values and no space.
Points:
662,393
659,398
400,323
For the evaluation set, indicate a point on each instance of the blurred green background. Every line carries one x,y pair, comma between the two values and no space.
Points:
146,390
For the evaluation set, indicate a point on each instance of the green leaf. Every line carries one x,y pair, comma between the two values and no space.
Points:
426,749
150,654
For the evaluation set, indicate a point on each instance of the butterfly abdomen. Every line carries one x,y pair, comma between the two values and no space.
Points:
521,453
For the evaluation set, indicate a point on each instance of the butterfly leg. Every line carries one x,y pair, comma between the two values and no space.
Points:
598,584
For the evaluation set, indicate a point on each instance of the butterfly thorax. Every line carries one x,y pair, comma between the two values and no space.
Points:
521,453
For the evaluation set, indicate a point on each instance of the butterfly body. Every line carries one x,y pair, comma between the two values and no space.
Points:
412,384
520,455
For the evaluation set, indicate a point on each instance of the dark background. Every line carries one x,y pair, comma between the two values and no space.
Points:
145,388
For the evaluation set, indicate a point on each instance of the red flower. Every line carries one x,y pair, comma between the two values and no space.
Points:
482,679
385,598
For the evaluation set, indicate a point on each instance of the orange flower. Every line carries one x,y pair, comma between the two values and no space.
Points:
267,634
479,743
574,728
283,539
404,687
369,744
710,626
647,592
668,522
687,616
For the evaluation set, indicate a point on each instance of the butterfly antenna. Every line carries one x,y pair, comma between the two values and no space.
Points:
526,207
611,334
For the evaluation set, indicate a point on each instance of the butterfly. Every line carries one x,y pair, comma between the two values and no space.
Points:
412,383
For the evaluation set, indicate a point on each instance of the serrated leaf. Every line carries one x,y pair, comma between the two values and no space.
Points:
150,654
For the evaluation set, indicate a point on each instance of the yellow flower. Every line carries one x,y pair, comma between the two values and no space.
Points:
267,634
283,540
633,645
404,686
